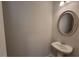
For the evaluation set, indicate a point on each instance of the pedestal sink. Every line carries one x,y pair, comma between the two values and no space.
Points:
62,48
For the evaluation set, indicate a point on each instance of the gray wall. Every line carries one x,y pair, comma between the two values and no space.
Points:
71,40
2,34
28,27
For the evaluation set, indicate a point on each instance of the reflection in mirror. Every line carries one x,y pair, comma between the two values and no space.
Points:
66,23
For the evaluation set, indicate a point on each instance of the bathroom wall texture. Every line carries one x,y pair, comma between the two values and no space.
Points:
28,27
2,35
71,40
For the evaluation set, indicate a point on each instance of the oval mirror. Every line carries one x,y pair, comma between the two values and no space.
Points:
66,23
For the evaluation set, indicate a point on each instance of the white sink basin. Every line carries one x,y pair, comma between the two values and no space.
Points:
62,47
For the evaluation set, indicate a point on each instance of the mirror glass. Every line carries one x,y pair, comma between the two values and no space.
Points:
66,23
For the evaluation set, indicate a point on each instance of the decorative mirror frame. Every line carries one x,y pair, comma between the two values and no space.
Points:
75,24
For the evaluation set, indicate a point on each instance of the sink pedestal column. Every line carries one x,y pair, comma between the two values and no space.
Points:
59,54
